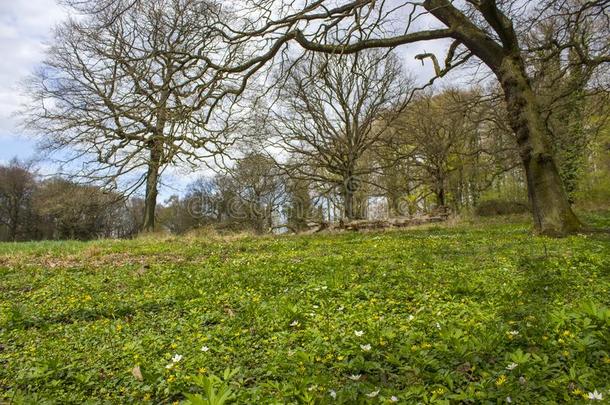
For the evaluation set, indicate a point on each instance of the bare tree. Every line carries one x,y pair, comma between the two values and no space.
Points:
259,186
17,185
333,110
436,133
123,91
300,208
442,136
69,210
489,30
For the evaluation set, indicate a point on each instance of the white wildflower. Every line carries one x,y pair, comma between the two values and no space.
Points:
595,396
359,333
393,398
509,400
294,323
355,377
514,333
333,394
205,349
373,394
177,357
512,366
366,347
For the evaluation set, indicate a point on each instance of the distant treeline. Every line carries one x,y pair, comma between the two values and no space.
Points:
58,208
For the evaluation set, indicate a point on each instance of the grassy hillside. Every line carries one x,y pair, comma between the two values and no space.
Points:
434,315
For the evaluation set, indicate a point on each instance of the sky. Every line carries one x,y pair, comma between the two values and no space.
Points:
25,25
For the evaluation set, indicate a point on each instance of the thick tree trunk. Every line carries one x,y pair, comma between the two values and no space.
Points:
350,185
348,202
152,180
550,206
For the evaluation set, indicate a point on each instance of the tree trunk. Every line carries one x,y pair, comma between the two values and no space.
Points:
348,202
550,206
12,231
393,200
440,197
152,180
440,192
350,186
269,218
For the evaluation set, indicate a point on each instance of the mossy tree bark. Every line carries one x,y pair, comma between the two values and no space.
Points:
550,206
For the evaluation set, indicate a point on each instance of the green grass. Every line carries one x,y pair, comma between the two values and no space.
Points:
444,310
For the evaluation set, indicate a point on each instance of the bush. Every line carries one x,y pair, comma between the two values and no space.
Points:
501,207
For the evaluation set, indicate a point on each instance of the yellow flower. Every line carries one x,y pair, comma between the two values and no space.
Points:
202,370
501,380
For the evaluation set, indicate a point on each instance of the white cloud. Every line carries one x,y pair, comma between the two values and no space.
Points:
24,27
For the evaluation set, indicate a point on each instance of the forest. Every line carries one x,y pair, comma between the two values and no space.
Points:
311,202
336,131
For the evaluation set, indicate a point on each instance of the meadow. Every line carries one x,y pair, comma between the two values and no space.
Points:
471,313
